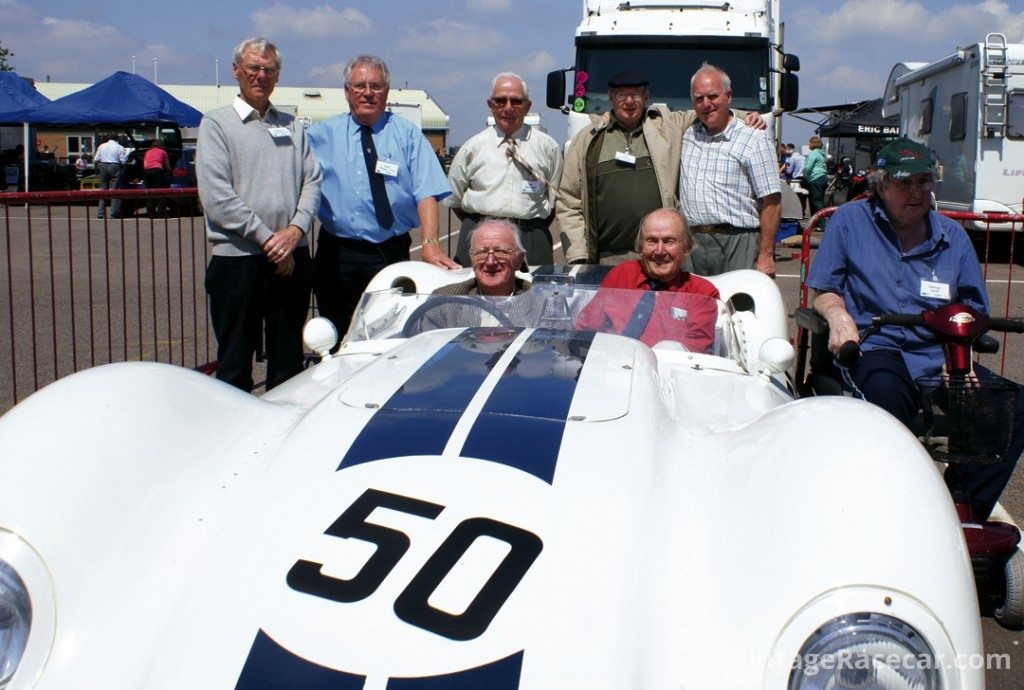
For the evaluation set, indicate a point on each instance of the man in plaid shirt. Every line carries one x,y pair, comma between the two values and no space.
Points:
728,183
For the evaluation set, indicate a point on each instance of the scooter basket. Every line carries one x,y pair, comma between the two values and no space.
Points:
975,417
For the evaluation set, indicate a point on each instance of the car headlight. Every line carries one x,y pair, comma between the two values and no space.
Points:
865,651
15,621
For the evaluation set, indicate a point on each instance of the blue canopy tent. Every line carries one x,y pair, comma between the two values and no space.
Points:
120,99
125,100
17,98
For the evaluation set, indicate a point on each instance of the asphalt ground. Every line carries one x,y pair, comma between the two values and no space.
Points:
156,268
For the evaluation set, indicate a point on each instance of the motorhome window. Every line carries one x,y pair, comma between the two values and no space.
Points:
927,110
1015,115
669,65
958,116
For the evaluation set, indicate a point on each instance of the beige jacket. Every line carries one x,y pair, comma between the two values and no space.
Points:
663,131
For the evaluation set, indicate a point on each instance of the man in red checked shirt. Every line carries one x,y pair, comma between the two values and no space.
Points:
670,303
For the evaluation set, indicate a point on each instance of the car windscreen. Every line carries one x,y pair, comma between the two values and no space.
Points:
694,322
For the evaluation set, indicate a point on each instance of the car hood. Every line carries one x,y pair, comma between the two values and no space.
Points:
479,508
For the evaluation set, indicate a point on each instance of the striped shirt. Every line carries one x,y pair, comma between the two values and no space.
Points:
722,176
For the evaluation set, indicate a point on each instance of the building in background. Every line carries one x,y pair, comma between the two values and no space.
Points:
309,104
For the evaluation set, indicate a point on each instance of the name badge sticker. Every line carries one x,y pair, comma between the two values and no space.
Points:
934,289
280,132
625,157
678,314
532,187
386,169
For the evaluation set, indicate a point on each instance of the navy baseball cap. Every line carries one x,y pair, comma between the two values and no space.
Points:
629,77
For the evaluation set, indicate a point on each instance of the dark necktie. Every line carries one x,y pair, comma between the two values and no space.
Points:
634,328
381,205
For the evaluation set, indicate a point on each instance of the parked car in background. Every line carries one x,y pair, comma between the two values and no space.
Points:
183,176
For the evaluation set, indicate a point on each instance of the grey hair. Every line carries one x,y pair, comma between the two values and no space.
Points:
517,236
258,45
688,241
877,179
708,68
511,75
368,60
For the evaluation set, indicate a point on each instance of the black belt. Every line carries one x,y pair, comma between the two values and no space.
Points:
362,245
719,229
523,223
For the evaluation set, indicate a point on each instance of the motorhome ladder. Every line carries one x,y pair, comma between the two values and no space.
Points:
993,77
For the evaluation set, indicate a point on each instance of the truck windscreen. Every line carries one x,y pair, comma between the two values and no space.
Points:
669,64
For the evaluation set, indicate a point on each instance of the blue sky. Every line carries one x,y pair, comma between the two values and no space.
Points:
453,48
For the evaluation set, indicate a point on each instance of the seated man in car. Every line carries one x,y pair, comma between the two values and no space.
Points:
669,303
891,253
496,250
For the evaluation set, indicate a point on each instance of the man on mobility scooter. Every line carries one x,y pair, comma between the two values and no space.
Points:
891,254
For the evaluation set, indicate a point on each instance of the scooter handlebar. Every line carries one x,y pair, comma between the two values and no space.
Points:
848,353
1007,325
906,320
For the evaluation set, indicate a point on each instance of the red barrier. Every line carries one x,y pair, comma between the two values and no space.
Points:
83,291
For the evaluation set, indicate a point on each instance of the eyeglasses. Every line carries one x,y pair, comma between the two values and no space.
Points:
253,70
502,101
908,185
500,253
620,97
373,87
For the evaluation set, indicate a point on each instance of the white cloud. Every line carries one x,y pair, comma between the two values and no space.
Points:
894,25
319,22
70,32
489,5
448,38
539,64
328,74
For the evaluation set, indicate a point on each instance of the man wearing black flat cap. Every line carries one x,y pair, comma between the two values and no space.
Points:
619,170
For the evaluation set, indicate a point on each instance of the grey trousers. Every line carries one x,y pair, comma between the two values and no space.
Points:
535,234
723,252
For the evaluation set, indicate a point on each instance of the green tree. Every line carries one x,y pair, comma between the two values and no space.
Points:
4,54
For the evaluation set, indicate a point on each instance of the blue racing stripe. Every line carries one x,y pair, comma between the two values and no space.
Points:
271,666
499,675
523,420
419,418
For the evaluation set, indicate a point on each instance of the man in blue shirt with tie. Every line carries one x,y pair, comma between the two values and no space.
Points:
380,180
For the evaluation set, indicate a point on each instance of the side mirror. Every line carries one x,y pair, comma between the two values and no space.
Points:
789,93
556,89
320,336
776,355
790,62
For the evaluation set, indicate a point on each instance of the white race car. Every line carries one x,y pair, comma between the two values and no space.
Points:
474,494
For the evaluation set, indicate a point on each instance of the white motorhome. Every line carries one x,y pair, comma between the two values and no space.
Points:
668,40
968,108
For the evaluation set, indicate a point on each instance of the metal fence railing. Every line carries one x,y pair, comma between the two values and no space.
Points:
82,291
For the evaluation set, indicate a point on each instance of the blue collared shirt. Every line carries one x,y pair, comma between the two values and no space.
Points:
346,207
859,258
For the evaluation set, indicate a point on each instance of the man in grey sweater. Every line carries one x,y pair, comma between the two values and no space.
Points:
260,188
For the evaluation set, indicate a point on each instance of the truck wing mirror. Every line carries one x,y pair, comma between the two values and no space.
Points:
789,92
556,89
790,62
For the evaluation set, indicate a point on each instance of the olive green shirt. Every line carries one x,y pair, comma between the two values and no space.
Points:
626,192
